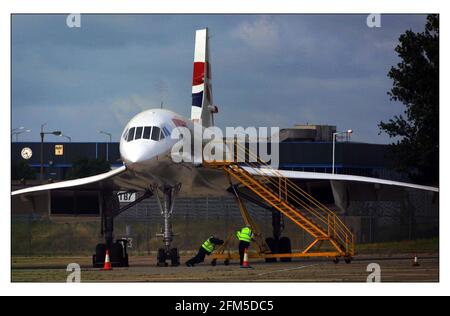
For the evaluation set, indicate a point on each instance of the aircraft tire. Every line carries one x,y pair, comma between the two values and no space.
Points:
100,254
162,257
285,247
273,246
174,257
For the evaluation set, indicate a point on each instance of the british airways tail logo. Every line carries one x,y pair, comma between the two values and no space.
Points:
198,83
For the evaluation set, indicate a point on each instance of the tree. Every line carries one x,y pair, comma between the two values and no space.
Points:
20,170
416,85
84,167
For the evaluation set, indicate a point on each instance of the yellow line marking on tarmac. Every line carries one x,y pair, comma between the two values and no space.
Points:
291,269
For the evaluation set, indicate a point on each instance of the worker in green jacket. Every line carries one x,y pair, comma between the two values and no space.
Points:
245,236
205,250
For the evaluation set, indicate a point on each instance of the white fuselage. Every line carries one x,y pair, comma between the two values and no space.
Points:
146,146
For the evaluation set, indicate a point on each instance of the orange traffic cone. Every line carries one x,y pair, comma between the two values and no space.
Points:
246,263
416,261
107,266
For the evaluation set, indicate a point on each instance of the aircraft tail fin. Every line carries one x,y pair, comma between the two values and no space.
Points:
203,109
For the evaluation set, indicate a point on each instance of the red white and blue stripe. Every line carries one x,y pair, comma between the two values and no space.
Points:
201,81
198,83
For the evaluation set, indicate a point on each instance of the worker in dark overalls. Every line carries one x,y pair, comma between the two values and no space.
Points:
205,250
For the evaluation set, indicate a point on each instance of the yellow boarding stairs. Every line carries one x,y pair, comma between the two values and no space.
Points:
322,224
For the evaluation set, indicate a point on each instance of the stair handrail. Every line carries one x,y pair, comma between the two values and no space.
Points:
338,224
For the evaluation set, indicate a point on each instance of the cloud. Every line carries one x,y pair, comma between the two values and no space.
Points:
260,33
273,70
123,109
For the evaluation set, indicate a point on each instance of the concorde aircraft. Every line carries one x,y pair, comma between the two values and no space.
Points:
148,166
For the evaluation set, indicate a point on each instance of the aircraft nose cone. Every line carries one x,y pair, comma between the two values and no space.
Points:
134,155
133,158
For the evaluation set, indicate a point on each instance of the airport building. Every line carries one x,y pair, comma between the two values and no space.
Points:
302,148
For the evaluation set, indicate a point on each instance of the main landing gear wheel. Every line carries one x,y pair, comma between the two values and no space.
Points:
227,262
214,262
273,246
336,260
348,260
284,246
118,255
174,257
162,257
98,259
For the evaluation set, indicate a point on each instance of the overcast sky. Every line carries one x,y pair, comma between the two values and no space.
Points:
267,70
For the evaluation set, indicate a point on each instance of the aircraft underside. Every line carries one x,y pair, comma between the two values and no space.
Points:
164,181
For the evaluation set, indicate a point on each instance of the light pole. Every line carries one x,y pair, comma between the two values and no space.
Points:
107,144
18,131
67,137
56,133
348,132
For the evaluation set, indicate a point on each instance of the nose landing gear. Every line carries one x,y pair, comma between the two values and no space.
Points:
172,255
166,204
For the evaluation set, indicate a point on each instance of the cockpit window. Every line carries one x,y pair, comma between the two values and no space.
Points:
155,133
166,131
131,134
125,134
138,132
147,132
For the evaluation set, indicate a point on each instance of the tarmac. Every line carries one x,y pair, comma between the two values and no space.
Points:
393,268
